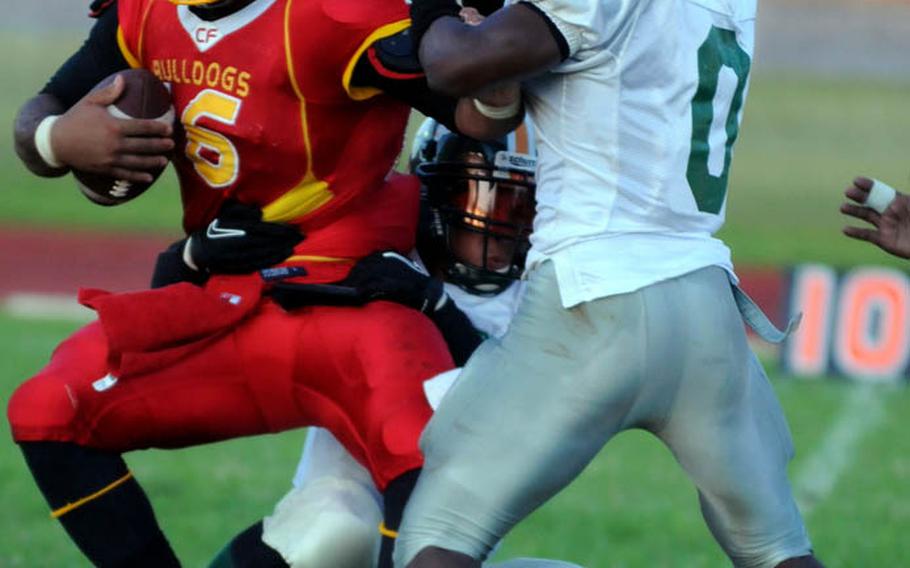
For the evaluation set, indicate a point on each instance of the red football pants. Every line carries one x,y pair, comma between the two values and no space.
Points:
357,371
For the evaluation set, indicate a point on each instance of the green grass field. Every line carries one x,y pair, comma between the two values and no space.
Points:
632,507
802,141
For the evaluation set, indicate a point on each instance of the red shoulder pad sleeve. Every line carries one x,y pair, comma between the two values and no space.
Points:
132,15
331,35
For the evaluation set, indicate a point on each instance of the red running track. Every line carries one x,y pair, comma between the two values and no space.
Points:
45,261
57,262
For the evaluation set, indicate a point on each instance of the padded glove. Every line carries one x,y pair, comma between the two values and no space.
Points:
170,268
393,277
238,241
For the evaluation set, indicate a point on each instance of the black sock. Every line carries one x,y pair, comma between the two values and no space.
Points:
247,550
395,498
115,529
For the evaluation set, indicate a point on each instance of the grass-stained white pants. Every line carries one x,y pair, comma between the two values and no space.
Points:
531,410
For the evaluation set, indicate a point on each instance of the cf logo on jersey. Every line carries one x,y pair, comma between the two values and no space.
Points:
206,34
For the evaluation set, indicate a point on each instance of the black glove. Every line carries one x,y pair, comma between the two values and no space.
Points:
170,268
425,12
238,241
390,276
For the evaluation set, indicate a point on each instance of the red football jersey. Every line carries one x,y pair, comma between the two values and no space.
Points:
269,118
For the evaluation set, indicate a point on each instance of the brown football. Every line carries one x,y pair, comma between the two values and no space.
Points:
144,96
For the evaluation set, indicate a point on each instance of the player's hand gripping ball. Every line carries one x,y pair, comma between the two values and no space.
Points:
143,96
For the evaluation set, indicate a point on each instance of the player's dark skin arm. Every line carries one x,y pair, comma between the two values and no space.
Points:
512,44
471,123
30,115
86,136
392,67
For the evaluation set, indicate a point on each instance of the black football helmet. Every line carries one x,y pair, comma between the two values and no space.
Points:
478,206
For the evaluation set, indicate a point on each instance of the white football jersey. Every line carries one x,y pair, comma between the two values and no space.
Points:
489,314
635,133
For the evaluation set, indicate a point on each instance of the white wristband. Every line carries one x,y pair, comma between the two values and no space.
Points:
43,141
880,196
498,112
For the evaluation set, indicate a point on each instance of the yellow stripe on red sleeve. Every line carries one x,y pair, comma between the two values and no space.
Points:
131,59
132,16
363,93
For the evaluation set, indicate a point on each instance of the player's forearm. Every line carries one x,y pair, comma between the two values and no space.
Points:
512,44
457,58
473,123
29,117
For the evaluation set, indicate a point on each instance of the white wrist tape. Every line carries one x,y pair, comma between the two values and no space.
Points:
187,257
498,112
43,141
880,196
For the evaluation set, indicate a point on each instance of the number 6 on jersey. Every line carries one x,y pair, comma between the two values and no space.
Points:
213,155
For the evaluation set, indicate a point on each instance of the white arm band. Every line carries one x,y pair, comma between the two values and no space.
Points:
498,112
880,196
43,141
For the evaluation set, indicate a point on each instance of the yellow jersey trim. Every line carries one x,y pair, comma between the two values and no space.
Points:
142,24
364,93
57,513
131,59
307,196
310,193
316,258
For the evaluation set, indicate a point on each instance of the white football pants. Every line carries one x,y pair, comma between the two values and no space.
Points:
531,410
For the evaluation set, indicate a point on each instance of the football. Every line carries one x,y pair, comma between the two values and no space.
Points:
144,96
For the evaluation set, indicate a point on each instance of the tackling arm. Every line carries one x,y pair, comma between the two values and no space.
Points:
392,277
391,66
471,121
514,43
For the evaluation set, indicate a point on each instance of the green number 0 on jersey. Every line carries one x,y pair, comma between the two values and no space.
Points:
723,69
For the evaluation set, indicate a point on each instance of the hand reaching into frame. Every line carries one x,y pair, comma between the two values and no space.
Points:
890,229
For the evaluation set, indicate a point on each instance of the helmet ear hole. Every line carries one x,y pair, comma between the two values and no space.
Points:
479,205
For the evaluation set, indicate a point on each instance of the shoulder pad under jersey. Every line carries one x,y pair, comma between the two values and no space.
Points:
351,15
396,53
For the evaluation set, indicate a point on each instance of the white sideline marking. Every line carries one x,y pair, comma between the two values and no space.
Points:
45,307
862,412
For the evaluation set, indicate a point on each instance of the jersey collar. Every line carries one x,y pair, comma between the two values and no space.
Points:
206,35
